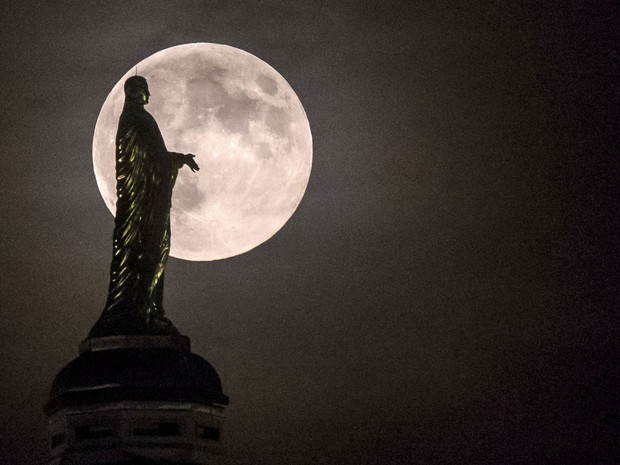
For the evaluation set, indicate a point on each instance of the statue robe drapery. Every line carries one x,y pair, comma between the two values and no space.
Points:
145,176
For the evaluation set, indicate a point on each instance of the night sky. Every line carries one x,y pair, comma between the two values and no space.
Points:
442,295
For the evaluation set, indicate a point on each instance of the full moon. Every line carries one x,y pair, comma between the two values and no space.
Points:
250,135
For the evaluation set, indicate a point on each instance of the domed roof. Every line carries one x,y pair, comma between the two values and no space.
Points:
136,374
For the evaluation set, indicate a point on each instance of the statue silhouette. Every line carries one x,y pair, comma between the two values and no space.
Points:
145,175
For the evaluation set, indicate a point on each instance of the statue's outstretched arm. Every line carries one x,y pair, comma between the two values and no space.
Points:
181,159
191,163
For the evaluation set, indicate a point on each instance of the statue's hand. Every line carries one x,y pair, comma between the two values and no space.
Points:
189,161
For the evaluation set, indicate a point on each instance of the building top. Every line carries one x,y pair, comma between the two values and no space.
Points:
138,371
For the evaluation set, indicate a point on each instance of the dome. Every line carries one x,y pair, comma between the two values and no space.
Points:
134,373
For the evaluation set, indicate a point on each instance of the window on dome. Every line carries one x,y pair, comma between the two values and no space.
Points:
207,432
86,432
167,428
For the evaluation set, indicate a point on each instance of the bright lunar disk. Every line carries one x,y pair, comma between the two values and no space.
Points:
250,135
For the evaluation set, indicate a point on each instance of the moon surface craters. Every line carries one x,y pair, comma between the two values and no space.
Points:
250,135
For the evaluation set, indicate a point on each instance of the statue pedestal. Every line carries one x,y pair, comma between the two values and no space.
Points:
128,398
181,343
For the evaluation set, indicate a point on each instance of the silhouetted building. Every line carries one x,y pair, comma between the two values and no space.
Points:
136,400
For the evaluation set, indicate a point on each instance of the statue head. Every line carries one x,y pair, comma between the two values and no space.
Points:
137,90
